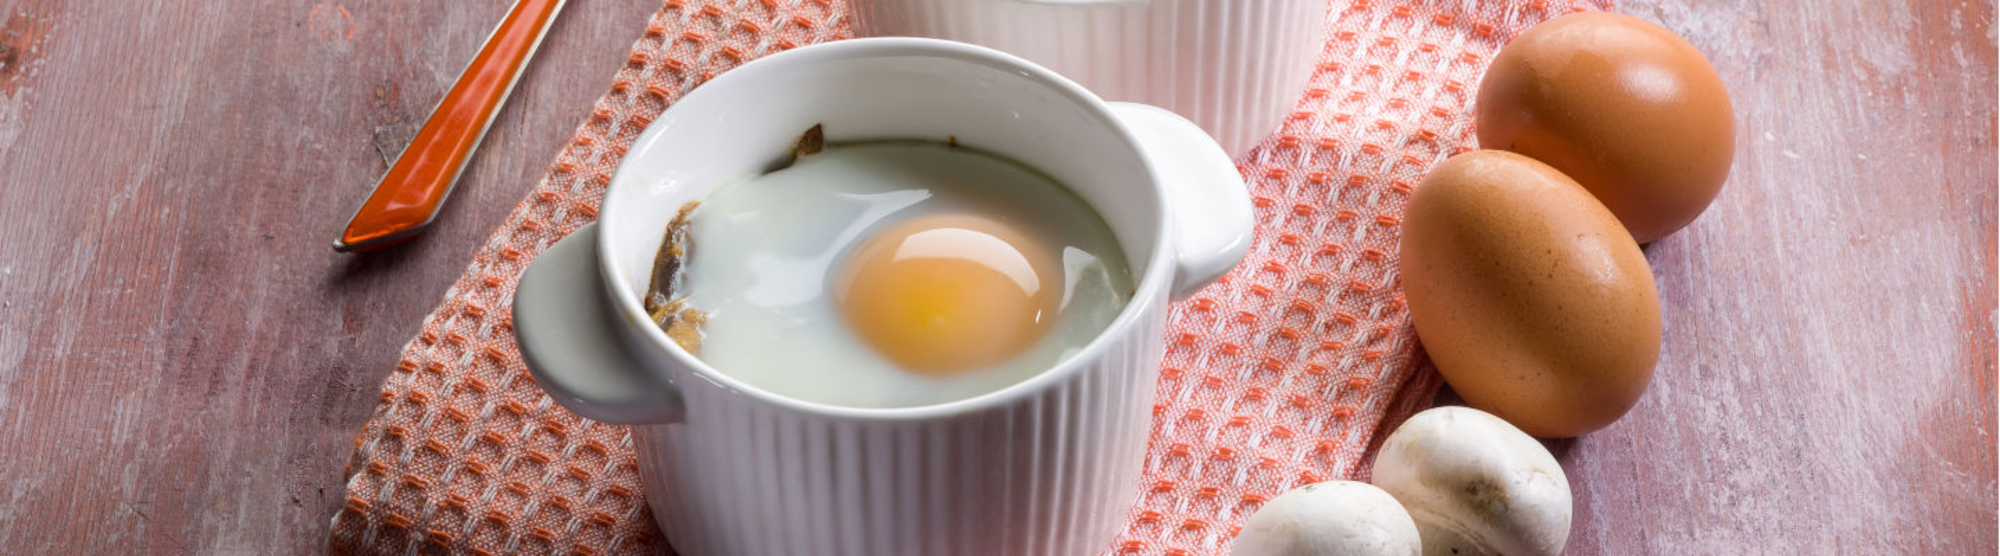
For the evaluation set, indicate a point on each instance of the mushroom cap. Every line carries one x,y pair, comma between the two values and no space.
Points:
1332,518
1475,484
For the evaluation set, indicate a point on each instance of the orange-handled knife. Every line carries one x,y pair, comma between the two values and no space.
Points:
408,197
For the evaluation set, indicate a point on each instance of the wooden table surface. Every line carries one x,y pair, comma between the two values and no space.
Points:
184,362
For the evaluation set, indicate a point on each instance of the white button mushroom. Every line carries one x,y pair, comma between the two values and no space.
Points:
1475,484
1329,519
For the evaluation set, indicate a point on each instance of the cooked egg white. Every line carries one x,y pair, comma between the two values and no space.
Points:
897,274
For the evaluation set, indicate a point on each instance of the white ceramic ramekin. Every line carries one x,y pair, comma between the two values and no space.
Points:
1046,466
1234,67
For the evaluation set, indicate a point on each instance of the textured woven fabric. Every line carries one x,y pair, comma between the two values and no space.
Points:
1281,374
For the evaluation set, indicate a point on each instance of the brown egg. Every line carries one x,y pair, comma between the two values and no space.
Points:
1623,106
1531,299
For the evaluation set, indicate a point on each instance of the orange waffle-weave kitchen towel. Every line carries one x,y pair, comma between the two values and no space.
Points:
1279,375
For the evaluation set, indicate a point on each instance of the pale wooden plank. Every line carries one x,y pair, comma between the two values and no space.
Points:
183,362
1827,380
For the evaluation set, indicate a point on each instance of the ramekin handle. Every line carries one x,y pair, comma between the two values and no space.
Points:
1208,207
566,327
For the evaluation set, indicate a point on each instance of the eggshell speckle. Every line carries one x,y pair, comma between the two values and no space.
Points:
1528,295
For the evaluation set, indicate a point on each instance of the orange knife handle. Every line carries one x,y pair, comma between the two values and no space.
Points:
408,197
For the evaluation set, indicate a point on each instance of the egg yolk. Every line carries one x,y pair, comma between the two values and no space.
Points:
949,293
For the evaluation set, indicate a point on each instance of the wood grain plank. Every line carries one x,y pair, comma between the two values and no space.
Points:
1827,380
185,361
